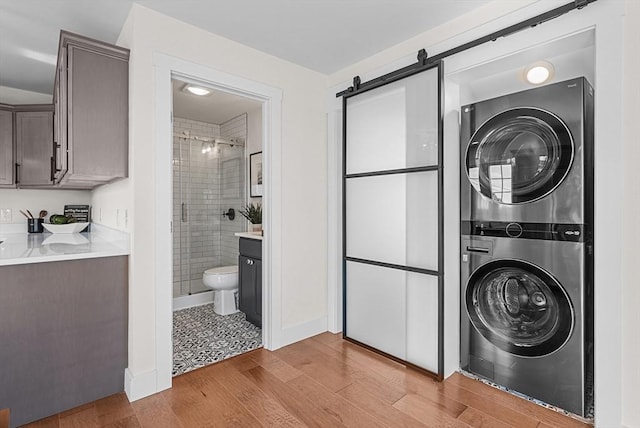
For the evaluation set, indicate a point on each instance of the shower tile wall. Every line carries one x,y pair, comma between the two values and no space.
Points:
196,244
233,188
215,183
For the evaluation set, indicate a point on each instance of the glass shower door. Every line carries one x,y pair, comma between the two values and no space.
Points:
181,234
196,215
206,184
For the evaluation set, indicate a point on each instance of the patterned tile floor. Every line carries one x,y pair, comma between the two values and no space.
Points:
202,337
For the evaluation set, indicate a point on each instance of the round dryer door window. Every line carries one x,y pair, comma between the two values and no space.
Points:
519,308
519,155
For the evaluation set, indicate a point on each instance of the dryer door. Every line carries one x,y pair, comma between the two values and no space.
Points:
519,307
519,155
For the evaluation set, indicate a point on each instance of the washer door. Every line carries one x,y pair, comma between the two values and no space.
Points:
519,155
519,308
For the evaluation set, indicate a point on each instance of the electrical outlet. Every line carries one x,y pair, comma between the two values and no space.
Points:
5,215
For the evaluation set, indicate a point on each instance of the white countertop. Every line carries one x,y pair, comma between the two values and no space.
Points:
249,235
23,248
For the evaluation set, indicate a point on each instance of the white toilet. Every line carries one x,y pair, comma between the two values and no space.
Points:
224,283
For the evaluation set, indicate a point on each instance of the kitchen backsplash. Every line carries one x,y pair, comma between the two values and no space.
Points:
53,201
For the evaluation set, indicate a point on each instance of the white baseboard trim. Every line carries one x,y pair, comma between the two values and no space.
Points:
296,333
184,302
139,386
338,329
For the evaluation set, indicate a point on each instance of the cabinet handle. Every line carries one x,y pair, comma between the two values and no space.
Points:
478,250
53,169
250,262
184,213
17,173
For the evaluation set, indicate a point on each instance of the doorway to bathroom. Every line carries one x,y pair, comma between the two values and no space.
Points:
215,137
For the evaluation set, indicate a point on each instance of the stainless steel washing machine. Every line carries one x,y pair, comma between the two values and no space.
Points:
528,156
526,311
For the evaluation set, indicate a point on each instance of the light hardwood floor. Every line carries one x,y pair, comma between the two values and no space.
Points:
323,381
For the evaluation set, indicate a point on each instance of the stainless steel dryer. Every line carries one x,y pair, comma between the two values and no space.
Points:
526,312
527,157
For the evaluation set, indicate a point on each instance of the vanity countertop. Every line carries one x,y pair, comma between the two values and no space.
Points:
249,235
23,248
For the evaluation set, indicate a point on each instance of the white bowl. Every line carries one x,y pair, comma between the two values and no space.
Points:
65,228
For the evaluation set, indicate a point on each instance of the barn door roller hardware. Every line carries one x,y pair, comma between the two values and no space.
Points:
424,61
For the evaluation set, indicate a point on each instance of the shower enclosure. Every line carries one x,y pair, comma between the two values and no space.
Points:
208,181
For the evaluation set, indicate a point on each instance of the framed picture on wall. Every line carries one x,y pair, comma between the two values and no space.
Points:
255,174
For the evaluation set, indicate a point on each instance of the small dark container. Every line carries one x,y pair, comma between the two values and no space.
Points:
34,225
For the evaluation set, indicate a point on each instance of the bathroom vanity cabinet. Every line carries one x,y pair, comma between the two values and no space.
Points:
250,280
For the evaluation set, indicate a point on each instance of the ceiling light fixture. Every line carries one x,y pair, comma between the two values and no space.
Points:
538,72
197,90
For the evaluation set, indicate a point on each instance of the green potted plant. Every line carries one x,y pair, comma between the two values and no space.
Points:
253,213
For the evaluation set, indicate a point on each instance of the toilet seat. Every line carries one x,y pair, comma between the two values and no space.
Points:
221,278
222,270
224,283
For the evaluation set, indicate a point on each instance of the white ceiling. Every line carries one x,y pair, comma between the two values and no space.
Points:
29,32
216,107
323,35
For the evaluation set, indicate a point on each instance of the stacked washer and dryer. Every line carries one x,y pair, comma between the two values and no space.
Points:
527,243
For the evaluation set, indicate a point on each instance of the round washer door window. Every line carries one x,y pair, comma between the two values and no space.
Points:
519,308
519,155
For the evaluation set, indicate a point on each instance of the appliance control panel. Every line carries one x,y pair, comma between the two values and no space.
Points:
547,231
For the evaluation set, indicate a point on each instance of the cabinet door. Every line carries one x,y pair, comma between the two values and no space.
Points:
60,119
97,107
6,148
246,289
258,291
34,140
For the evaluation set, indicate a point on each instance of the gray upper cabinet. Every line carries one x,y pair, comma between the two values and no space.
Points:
91,99
7,159
34,143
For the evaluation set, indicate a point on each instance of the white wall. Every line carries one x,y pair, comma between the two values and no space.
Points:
254,142
438,39
35,200
631,214
303,172
606,16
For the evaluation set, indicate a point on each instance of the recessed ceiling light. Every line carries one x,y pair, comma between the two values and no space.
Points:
538,72
197,90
